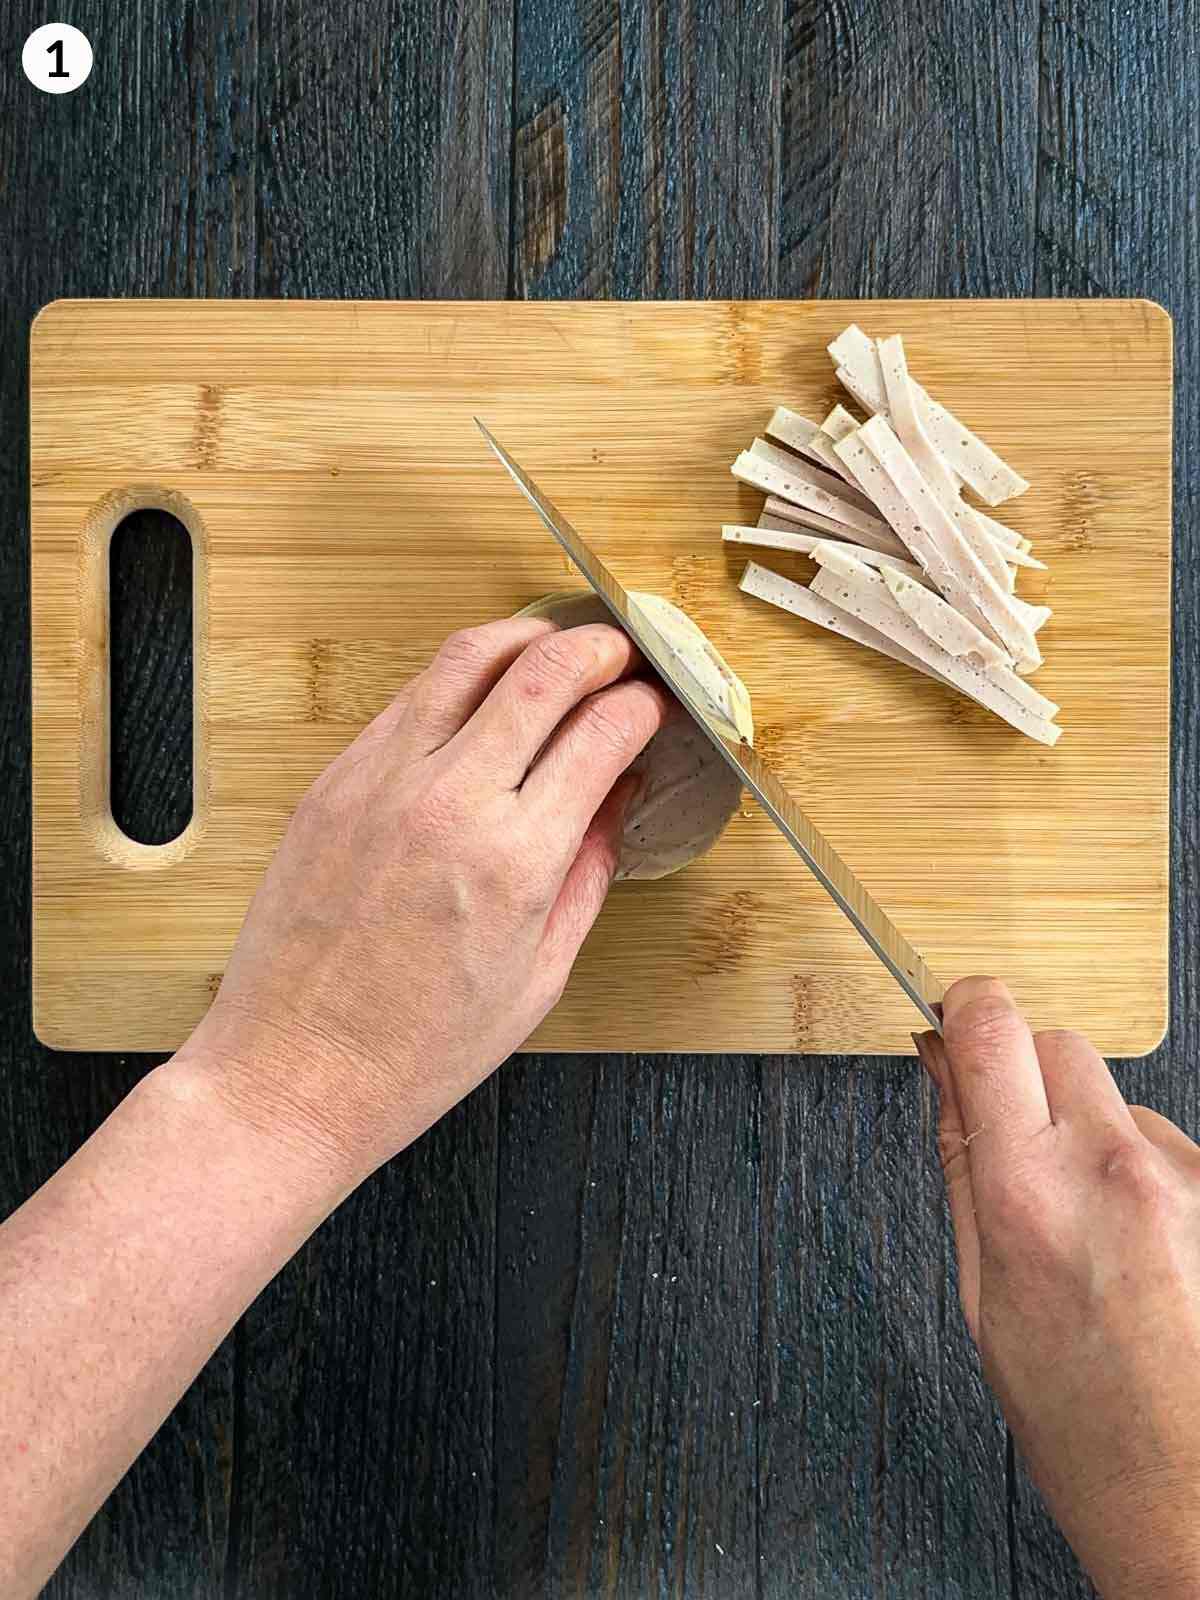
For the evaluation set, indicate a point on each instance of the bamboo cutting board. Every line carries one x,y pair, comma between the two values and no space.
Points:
346,515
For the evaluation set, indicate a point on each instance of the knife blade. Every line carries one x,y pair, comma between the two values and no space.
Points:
881,935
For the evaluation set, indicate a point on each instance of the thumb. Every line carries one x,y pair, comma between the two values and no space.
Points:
954,1150
590,875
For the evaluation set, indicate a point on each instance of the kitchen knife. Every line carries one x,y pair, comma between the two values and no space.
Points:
884,938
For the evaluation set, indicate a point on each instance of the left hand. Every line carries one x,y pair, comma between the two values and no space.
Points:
432,891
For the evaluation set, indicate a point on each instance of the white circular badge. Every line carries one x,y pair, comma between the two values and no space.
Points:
57,57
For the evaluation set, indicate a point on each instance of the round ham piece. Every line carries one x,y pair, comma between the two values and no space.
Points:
690,793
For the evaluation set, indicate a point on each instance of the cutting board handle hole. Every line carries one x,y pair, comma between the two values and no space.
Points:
144,677
150,676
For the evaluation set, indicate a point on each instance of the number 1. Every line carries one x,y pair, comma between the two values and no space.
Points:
56,50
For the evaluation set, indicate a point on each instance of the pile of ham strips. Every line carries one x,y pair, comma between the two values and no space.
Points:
906,565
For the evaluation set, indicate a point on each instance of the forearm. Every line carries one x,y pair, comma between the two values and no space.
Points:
117,1281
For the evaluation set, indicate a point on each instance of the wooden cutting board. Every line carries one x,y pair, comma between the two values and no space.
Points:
346,516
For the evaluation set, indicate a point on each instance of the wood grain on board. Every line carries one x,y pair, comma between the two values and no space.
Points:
345,517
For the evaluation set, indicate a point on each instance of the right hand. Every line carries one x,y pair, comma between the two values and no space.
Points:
1077,1221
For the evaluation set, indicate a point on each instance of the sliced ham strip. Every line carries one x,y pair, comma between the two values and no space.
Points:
941,622
804,544
1036,616
786,484
940,546
799,521
820,477
836,426
829,607
867,597
872,590
783,514
994,544
859,371
817,442
763,584
794,597
902,404
1008,537
895,508
948,629
839,423
1011,540
802,435
791,429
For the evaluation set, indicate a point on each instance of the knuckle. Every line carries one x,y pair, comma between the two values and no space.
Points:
512,873
465,651
1132,1167
555,662
599,725
984,1031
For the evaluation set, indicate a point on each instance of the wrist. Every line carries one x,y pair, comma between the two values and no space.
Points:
1145,1546
243,1098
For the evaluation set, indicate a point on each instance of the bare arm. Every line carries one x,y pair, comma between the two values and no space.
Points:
419,920
118,1279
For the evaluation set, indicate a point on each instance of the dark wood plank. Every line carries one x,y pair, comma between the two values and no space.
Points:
385,152
382,158
627,1313
647,161
133,185
908,148
881,1456
627,1352
364,1462
908,142
1116,216
364,1395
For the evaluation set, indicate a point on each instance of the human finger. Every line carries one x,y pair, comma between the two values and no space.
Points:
997,1078
1080,1090
1165,1135
542,686
466,669
954,1153
587,753
589,877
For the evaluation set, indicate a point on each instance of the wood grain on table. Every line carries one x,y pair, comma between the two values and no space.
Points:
549,1417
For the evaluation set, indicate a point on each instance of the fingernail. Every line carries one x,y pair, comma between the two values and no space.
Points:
927,1056
966,990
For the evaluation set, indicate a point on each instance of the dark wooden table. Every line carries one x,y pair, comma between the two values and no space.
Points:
619,1326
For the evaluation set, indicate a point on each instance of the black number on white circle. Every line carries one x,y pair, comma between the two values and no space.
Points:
56,50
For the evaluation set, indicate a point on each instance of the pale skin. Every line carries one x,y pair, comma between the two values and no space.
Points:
420,919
